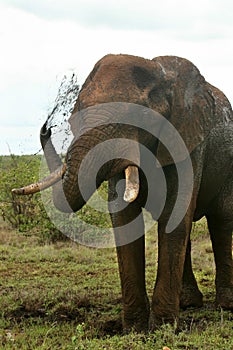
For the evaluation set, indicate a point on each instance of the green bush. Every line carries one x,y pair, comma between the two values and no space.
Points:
24,213
27,213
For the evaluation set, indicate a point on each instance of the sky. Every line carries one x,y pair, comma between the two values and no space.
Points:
43,40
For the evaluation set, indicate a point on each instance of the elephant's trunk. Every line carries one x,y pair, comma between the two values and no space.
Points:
66,178
130,194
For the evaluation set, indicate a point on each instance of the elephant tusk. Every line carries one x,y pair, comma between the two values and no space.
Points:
47,182
132,184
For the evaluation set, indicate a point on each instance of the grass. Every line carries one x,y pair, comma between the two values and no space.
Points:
66,296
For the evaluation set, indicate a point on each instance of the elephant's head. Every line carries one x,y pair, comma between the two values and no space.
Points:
169,85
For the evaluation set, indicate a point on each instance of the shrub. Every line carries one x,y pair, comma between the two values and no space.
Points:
25,213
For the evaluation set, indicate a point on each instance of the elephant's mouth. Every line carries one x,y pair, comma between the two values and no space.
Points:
131,183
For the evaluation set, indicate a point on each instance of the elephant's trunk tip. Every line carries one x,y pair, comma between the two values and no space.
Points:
18,191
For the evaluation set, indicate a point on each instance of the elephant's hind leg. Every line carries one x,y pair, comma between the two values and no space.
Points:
221,236
190,295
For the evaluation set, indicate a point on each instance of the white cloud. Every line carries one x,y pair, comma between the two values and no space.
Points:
31,44
206,17
40,41
19,140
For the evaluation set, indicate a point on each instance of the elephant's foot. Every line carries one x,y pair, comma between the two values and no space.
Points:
164,308
190,297
161,314
136,318
157,320
224,297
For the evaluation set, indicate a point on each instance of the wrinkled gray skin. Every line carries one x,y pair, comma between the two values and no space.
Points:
203,116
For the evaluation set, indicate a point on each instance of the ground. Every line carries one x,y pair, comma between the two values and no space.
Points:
66,296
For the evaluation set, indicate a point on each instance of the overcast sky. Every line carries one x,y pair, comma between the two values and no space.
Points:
41,40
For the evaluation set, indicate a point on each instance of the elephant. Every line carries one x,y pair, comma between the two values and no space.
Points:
174,88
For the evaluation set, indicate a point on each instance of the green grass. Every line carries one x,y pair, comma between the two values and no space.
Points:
66,296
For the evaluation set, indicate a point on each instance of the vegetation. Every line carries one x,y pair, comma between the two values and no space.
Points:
25,213
60,295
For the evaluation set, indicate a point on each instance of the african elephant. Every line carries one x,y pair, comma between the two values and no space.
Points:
174,88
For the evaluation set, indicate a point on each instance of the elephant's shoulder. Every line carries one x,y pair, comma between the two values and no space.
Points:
176,63
221,105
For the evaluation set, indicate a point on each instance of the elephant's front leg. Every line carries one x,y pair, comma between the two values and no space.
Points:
130,241
171,258
132,275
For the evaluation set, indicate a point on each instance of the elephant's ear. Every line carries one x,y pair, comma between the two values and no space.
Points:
184,133
189,112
